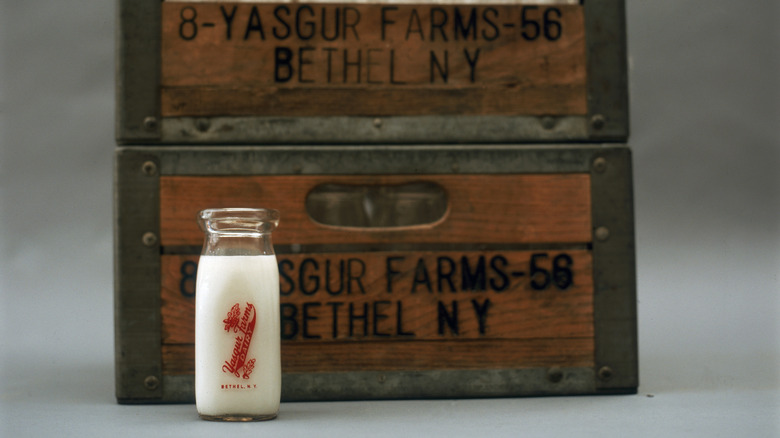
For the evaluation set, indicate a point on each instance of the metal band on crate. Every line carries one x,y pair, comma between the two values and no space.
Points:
137,271
614,270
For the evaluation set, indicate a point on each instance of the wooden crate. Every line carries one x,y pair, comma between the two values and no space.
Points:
406,271
217,72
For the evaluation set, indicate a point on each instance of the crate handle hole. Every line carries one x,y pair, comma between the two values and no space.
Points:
419,204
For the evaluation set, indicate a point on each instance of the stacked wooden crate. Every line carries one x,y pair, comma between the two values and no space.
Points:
453,179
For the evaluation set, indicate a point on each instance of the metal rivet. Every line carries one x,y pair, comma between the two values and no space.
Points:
149,168
377,123
548,122
598,121
605,373
202,125
381,378
455,167
149,238
151,383
150,123
554,375
600,164
602,233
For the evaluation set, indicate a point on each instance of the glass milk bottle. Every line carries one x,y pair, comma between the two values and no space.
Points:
237,348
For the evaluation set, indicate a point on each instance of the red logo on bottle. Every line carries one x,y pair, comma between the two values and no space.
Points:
238,365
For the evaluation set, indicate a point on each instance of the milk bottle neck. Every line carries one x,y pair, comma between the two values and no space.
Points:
238,231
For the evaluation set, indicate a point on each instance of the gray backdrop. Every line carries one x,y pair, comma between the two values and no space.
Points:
705,94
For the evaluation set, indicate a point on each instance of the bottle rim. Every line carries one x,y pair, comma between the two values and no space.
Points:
238,221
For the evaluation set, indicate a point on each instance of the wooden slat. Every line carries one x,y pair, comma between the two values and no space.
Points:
407,356
418,283
510,312
529,100
500,60
543,208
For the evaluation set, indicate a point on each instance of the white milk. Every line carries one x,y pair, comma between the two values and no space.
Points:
248,285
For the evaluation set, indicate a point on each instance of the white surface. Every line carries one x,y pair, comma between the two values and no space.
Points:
704,109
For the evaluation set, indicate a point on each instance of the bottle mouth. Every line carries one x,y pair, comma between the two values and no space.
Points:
238,221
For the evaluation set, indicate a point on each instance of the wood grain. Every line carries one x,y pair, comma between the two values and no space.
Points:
505,209
387,310
551,326
412,356
515,309
377,60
